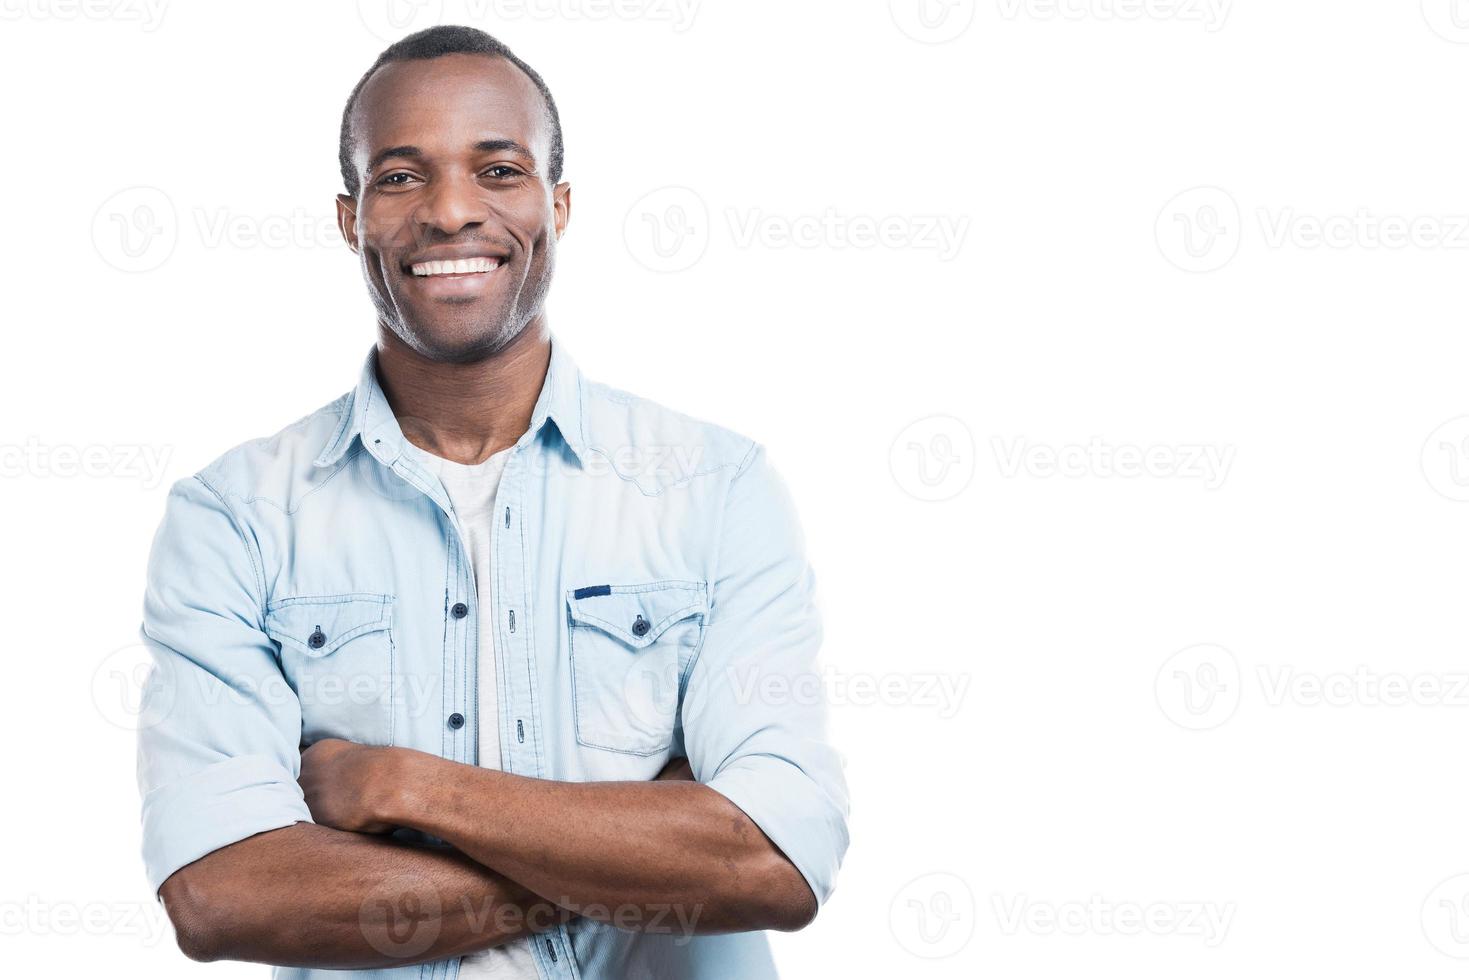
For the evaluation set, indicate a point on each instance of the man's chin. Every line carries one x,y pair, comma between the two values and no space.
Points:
459,342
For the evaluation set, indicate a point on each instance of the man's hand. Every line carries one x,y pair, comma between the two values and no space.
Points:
612,838
345,784
591,847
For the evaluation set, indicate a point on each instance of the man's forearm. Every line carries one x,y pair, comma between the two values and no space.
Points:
668,854
311,896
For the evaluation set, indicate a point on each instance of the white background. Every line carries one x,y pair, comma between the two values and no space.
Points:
1204,722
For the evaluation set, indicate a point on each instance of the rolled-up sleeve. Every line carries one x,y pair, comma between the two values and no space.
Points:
219,729
754,714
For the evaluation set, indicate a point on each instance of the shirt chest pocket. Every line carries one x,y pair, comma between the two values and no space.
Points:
337,656
629,645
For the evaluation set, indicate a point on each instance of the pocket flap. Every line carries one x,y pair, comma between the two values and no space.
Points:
636,614
318,625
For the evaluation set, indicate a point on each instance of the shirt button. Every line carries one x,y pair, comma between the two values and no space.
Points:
456,721
316,640
640,626
460,610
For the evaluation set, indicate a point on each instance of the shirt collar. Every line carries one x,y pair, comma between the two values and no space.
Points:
368,415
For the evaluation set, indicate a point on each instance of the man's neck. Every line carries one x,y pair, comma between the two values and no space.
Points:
464,412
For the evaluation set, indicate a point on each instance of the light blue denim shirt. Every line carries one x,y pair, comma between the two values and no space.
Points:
650,598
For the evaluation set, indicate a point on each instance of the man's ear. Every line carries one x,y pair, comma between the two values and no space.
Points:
347,219
561,205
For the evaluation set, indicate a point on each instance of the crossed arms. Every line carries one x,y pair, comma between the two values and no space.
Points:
670,855
262,852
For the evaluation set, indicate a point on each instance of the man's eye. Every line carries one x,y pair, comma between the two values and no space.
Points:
395,180
502,171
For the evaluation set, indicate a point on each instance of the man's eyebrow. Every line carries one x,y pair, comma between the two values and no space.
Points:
390,152
483,146
494,146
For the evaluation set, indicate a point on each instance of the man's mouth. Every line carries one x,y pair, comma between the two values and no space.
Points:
456,267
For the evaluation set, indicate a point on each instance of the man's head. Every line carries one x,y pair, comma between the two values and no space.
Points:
451,155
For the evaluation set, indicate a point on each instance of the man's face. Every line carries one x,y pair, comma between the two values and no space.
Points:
455,222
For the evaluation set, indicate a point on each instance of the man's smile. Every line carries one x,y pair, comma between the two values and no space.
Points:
460,273
455,267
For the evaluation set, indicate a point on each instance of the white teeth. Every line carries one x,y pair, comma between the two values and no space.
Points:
479,263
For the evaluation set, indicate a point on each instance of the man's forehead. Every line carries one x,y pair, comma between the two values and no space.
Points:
445,101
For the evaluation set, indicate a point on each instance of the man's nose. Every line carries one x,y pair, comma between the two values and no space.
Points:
452,205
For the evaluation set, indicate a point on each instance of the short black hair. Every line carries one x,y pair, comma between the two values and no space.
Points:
434,43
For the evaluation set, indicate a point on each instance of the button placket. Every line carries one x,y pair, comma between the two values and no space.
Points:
458,652
514,637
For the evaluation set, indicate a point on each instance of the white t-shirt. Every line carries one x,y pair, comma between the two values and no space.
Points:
471,490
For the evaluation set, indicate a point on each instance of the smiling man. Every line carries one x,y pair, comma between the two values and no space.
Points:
477,671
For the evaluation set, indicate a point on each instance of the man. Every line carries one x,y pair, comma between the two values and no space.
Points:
469,673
